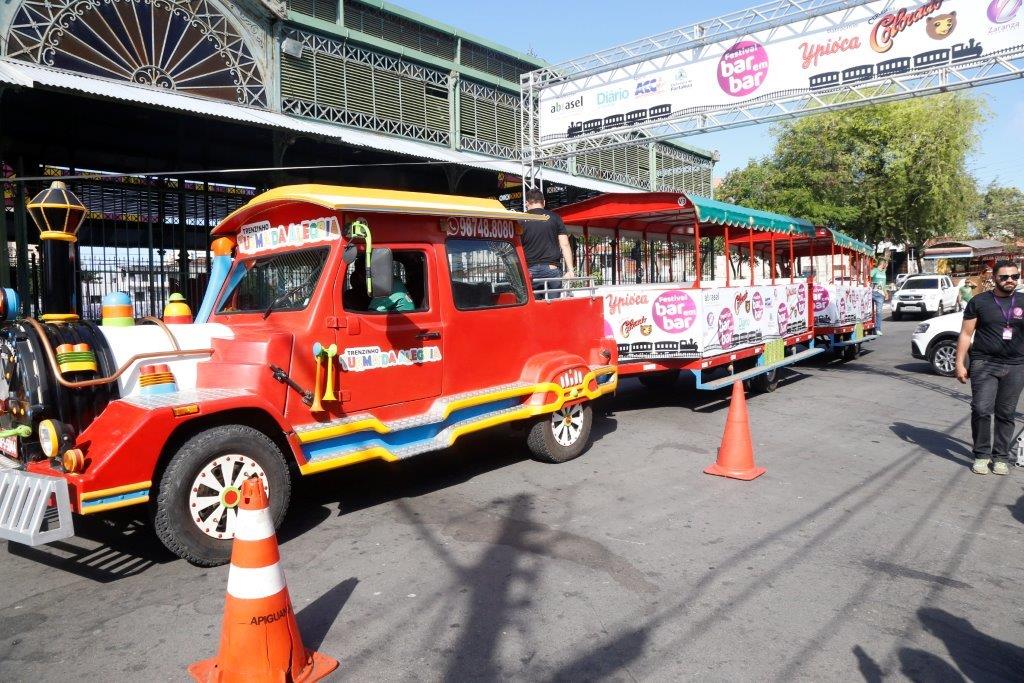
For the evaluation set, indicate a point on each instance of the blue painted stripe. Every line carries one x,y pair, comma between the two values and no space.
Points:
115,499
362,440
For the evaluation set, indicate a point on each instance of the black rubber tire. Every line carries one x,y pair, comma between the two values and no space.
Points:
851,352
897,315
660,381
947,346
545,448
765,383
172,521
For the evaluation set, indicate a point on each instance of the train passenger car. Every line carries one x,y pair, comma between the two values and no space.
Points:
671,310
841,293
825,80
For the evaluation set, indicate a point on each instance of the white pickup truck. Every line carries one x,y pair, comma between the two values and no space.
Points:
934,294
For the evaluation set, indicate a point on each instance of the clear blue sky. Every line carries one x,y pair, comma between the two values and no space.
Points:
561,29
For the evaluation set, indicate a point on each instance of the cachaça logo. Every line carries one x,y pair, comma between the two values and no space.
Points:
814,51
895,23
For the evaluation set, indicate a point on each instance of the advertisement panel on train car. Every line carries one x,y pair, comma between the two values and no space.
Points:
664,322
868,43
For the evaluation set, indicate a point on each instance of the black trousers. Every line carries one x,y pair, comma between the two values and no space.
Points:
995,390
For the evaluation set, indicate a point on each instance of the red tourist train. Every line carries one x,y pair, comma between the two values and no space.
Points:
343,325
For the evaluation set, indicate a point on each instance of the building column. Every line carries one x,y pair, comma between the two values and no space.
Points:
652,166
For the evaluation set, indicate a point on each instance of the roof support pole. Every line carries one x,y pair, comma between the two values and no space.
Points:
728,259
792,265
697,265
773,257
750,254
832,260
668,241
586,251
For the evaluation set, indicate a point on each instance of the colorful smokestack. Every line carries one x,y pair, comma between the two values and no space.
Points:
118,310
75,358
177,312
156,379
58,213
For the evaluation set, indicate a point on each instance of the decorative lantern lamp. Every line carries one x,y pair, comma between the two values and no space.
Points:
58,213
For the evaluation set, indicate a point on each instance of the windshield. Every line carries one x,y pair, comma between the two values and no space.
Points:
921,283
256,283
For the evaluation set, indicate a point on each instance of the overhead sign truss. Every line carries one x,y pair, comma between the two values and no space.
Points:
773,62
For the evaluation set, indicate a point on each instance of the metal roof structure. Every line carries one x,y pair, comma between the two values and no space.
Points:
32,75
335,198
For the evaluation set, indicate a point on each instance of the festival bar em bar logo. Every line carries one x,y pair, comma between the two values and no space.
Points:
870,43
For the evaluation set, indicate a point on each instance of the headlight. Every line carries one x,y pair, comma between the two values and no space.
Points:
921,329
50,437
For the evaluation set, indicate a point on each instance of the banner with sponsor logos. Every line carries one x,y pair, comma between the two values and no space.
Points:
842,304
659,321
876,41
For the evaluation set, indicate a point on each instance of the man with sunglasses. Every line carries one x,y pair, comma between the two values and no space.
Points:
995,322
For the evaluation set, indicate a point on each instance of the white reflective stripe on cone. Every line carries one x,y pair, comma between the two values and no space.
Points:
254,525
251,584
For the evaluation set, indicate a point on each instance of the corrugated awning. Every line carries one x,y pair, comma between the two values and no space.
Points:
671,211
31,75
844,240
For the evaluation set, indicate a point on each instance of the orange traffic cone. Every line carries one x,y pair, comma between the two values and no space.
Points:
736,454
260,638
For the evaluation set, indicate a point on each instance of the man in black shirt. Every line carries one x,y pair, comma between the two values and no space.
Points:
995,320
545,244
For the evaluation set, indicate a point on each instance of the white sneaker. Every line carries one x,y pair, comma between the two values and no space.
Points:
980,466
1000,468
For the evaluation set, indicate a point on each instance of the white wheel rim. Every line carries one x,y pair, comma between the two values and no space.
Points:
567,425
217,489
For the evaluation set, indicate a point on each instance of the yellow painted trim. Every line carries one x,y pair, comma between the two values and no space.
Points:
57,235
358,199
343,429
526,411
80,366
116,491
116,504
58,317
375,453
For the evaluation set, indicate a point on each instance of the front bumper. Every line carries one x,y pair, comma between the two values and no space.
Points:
34,508
916,306
917,349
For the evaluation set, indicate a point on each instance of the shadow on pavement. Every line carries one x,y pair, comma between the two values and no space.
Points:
935,442
979,656
316,618
924,667
1017,510
103,549
867,666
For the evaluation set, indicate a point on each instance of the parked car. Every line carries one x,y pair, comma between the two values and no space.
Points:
926,294
900,279
935,342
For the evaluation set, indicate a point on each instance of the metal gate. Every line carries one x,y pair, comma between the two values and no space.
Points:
148,237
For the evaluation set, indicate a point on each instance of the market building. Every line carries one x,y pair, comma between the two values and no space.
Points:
345,92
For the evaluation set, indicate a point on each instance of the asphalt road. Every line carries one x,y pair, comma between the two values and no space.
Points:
868,550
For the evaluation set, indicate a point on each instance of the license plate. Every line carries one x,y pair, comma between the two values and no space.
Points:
9,446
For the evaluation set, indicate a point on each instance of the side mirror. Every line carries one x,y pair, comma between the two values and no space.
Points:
382,272
350,254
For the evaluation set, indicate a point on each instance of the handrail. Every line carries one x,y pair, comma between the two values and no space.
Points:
564,290
48,349
163,326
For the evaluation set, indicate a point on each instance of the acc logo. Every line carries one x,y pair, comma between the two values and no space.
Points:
650,86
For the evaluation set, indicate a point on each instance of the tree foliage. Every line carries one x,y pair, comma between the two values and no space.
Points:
893,171
1000,213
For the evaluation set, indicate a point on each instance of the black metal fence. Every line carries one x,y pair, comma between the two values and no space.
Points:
148,237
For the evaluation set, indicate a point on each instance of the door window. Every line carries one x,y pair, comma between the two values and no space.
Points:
485,274
408,295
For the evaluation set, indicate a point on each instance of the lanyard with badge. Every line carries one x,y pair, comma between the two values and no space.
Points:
1007,312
